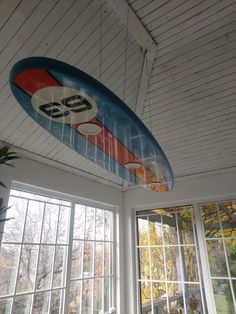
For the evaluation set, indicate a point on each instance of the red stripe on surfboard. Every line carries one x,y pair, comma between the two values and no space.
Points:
30,81
116,150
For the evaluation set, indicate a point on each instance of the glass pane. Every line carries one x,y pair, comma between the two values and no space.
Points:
33,222
193,298
144,263
106,294
9,255
106,259
155,230
63,225
59,266
227,213
190,263
211,220
98,267
223,296
87,297
22,304
76,263
27,270
142,230
170,229
230,245
175,293
108,226
157,264
146,307
186,234
50,223
173,263
13,228
5,305
88,259
99,224
159,297
79,222
75,297
41,303
44,267
97,305
216,258
56,298
90,223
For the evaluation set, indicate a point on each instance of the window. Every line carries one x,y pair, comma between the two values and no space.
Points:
175,246
56,256
169,271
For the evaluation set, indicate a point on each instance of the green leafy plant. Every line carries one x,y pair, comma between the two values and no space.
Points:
6,158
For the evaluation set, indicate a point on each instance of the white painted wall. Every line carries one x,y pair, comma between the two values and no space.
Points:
189,190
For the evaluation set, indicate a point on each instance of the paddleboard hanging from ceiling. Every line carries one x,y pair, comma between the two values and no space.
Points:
86,116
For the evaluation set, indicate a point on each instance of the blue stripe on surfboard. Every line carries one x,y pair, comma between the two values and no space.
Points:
74,140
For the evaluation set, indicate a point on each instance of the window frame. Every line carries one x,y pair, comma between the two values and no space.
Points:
134,264
115,294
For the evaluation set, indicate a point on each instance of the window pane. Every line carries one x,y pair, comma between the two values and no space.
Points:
211,220
106,294
155,230
159,297
190,263
146,307
227,213
44,267
22,304
87,297
106,259
5,305
27,269
99,224
76,264
33,222
157,264
59,266
9,255
90,223
185,225
193,298
79,222
98,267
216,258
41,303
108,226
56,299
13,228
75,297
223,296
142,230
230,245
172,260
144,263
170,229
97,305
175,294
63,225
88,259
50,223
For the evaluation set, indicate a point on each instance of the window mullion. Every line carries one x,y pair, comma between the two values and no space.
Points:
69,260
19,260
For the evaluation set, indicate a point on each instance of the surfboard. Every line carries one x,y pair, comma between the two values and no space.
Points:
89,118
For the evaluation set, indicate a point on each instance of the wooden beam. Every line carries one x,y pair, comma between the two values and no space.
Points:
129,18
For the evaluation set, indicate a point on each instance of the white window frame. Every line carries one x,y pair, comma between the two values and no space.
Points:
116,295
133,266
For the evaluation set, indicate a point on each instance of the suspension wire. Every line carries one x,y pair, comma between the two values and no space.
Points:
100,42
126,51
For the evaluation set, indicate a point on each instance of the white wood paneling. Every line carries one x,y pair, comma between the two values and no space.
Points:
191,99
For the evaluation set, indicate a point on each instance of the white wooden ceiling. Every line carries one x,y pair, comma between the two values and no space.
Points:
190,106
